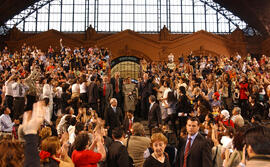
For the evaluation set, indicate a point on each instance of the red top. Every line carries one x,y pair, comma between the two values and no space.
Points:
50,68
227,123
85,158
243,90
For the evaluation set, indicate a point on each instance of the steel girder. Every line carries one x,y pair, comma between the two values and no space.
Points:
26,13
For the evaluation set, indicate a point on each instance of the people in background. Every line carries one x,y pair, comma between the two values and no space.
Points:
202,87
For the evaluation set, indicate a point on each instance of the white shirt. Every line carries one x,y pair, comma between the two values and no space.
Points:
151,105
83,88
8,88
71,133
16,89
61,123
226,142
5,123
59,91
165,95
114,108
238,57
48,113
75,88
47,91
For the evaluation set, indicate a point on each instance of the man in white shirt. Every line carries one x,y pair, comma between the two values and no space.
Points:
9,93
75,96
83,90
19,92
48,95
75,89
6,124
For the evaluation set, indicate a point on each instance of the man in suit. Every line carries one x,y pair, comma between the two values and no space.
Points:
117,84
113,116
145,90
197,151
154,114
117,154
106,93
129,121
93,95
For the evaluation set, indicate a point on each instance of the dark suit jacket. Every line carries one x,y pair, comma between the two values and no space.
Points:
113,119
154,116
109,92
93,93
120,85
199,154
145,89
126,123
117,155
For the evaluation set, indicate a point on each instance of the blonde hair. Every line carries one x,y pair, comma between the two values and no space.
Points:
51,145
45,132
158,137
138,129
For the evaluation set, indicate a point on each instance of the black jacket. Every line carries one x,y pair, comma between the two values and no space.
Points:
113,119
93,93
31,151
199,155
154,116
117,155
126,123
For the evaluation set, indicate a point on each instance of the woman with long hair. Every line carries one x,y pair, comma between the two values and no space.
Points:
51,151
171,110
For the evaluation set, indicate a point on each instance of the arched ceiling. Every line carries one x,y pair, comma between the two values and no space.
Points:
10,8
256,13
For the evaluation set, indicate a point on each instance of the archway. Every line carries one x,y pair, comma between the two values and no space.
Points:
128,66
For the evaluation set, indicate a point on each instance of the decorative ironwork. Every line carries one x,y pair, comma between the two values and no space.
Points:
224,12
26,13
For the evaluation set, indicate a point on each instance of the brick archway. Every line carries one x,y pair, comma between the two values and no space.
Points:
126,51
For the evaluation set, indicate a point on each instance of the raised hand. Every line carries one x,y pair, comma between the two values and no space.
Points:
33,119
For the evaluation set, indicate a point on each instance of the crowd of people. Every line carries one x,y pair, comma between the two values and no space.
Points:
65,108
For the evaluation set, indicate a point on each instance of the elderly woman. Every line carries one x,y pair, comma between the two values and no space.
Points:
225,117
83,155
158,157
137,144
